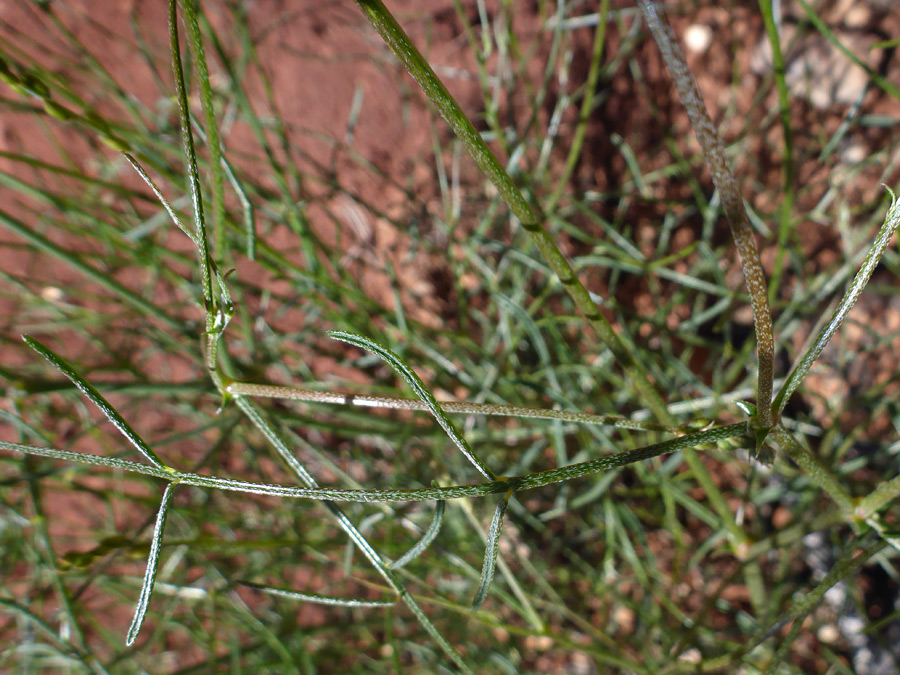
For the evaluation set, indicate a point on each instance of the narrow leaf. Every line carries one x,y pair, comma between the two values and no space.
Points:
206,100
318,599
152,566
224,295
96,398
422,392
425,541
891,222
490,552
126,295
160,196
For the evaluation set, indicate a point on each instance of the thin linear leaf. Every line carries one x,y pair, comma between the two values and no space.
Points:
490,552
347,525
209,113
160,196
240,193
847,563
891,222
318,599
152,566
97,399
829,35
421,391
40,626
587,107
423,543
217,316
813,468
787,130
225,296
128,296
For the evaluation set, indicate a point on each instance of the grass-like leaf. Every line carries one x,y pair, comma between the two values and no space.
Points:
96,398
209,114
420,546
127,296
152,566
891,222
318,599
160,196
421,391
829,35
491,550
214,319
847,563
347,525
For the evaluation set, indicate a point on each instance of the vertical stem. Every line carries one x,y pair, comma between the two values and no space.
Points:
212,131
723,179
587,105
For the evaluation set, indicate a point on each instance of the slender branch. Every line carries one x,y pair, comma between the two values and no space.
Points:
461,407
733,203
813,468
516,484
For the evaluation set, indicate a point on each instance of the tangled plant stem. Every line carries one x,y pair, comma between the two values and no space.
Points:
764,423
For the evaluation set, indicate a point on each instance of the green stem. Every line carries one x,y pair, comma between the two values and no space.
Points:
784,109
529,482
187,140
813,468
880,497
209,114
587,106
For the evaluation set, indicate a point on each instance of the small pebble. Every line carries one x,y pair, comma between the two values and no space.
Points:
698,38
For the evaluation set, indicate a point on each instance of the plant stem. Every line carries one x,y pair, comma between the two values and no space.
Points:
462,407
515,484
733,203
529,216
813,468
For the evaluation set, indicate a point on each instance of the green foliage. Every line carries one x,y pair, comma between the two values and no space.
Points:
593,568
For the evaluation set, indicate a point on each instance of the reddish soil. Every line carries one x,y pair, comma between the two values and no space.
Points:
322,58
